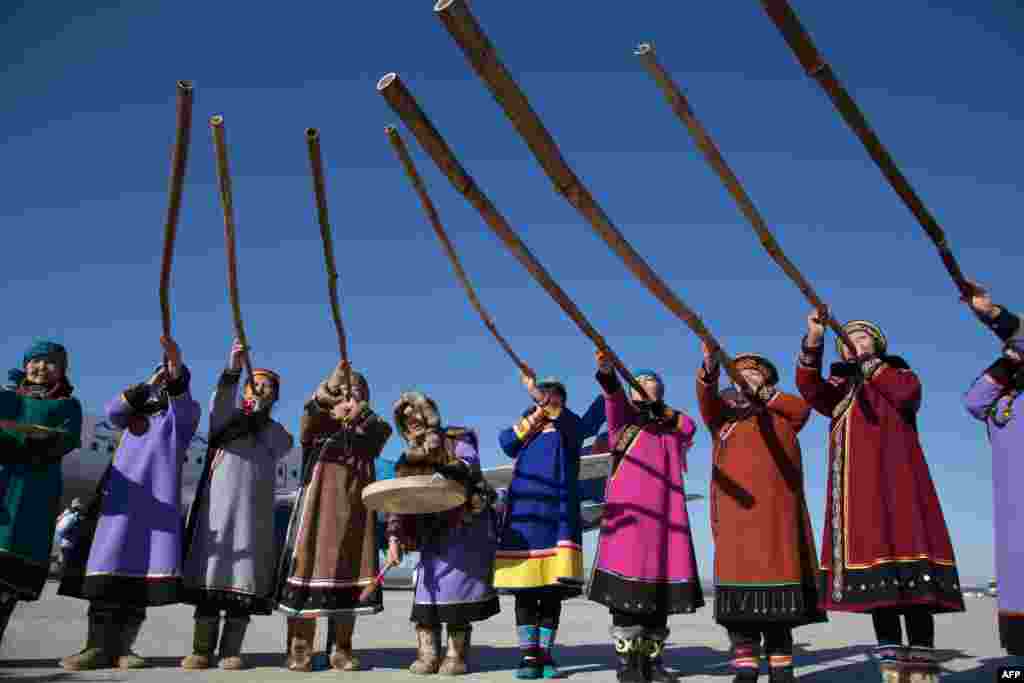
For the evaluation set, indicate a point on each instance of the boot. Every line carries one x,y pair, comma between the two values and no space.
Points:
301,632
7,604
891,661
428,655
746,662
343,659
98,650
780,668
547,647
653,668
530,666
204,643
128,632
628,648
456,661
231,639
921,665
746,676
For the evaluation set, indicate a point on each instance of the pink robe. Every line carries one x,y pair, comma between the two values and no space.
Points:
645,561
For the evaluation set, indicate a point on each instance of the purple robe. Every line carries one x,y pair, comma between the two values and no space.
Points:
985,399
455,571
135,555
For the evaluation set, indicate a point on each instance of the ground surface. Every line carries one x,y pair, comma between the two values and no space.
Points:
42,632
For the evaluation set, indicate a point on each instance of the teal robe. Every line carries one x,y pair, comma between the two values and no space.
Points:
31,484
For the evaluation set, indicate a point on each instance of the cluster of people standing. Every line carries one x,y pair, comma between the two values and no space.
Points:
886,549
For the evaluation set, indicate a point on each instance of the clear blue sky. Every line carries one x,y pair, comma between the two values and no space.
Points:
88,120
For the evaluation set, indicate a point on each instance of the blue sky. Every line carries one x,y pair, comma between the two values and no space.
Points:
88,120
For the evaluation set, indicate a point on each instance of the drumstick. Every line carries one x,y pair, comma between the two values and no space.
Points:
372,588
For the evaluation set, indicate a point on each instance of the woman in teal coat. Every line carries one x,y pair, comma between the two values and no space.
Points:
31,483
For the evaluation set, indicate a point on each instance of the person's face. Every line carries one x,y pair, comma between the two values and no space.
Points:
414,424
350,403
555,401
264,389
862,341
754,378
43,370
650,386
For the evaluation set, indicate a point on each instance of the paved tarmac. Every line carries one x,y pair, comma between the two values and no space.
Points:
42,632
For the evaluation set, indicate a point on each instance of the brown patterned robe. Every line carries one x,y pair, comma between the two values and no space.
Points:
331,549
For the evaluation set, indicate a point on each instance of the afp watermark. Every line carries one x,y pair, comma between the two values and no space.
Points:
1010,673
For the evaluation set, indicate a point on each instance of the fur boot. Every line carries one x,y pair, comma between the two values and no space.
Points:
343,659
456,661
99,650
231,640
628,647
204,643
301,633
127,633
891,661
428,654
654,646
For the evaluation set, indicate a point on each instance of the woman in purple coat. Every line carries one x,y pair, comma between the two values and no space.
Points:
995,400
133,560
453,578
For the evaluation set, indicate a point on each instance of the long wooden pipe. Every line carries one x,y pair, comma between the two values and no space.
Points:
482,56
435,221
179,161
224,184
316,165
799,41
677,100
405,106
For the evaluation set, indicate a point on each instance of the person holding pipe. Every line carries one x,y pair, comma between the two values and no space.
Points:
133,558
540,548
330,552
759,512
994,399
886,549
229,556
645,568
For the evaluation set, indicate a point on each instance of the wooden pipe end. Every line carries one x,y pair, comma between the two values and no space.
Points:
185,86
312,134
643,49
387,80
442,5
217,120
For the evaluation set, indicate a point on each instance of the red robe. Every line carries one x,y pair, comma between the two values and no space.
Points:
885,542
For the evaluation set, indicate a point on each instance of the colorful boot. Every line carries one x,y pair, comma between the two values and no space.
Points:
531,664
204,644
891,661
343,658
746,662
231,639
629,648
922,665
781,669
128,633
99,649
654,669
428,650
456,661
547,645
301,632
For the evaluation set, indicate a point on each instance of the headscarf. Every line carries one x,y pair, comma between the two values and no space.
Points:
752,361
863,326
553,384
42,348
250,403
651,374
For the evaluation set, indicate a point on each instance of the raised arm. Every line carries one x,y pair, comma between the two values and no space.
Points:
709,400
224,403
987,389
616,408
592,420
821,394
376,431
792,409
513,438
